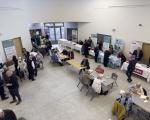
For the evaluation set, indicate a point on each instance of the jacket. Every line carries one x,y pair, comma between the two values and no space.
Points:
13,81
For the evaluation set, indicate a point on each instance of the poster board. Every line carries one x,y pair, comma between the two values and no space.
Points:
119,44
9,48
94,39
106,42
134,45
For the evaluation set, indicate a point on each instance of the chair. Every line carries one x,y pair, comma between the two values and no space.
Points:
114,77
110,82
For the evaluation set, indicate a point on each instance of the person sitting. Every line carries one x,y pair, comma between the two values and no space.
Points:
122,105
85,63
138,54
7,115
55,58
97,84
139,90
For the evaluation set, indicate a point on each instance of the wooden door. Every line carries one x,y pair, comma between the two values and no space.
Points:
18,45
146,52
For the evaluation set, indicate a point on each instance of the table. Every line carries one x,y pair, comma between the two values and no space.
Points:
75,64
63,57
140,103
140,70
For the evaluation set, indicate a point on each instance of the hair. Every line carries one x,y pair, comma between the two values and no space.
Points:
138,85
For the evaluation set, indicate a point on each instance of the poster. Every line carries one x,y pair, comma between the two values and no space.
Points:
9,48
135,45
119,44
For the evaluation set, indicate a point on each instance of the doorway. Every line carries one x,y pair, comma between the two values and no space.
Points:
146,53
72,34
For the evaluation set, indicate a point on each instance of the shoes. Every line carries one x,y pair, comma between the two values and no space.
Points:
18,102
13,101
129,80
5,98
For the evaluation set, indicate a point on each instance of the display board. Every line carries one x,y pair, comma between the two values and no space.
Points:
135,45
9,48
106,42
101,38
119,44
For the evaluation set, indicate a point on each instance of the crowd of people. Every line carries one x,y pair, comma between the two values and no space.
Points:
25,68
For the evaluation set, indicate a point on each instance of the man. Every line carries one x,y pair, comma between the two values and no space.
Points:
2,92
86,49
13,87
138,54
89,41
106,57
131,68
96,51
7,115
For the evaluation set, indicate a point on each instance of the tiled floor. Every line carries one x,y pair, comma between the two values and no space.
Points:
54,95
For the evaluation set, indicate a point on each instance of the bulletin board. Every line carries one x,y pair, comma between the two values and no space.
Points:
9,48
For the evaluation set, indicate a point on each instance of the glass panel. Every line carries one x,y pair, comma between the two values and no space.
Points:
58,35
52,34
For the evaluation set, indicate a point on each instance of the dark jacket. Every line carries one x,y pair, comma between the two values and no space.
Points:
138,57
132,65
96,50
85,63
14,81
9,115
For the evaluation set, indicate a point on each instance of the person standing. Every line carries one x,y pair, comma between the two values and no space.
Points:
2,92
131,68
96,51
13,87
107,53
30,67
138,54
86,49
34,65
15,60
7,115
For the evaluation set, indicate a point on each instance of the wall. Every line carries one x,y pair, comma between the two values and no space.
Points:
12,25
69,25
124,19
102,16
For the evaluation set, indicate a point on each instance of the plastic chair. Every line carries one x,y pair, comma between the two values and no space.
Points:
114,77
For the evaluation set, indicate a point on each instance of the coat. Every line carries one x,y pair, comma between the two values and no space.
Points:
131,65
9,115
138,56
97,85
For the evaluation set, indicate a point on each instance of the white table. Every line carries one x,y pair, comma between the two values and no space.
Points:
140,70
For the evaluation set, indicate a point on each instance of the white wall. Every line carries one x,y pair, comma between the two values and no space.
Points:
124,19
101,15
12,25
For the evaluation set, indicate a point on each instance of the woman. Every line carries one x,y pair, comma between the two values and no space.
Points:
85,63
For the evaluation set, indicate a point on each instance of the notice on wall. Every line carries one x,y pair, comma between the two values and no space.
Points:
135,45
9,48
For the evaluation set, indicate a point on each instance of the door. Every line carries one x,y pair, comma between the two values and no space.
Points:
18,45
146,52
